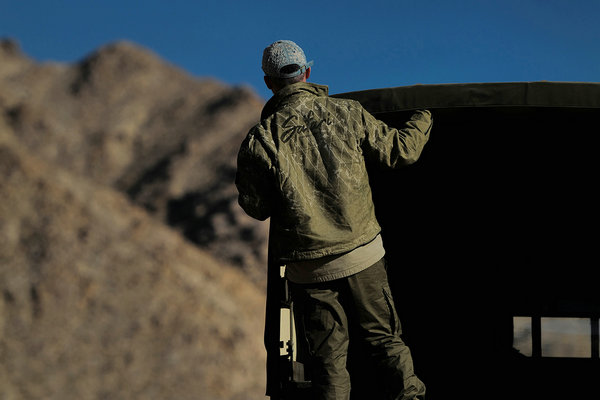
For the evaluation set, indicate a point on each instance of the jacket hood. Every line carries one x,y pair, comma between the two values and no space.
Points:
284,95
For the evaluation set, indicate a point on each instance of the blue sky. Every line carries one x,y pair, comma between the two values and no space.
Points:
355,45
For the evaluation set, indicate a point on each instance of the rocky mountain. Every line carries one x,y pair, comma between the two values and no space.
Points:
127,270
123,117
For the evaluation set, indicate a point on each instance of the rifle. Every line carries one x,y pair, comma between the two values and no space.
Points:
286,376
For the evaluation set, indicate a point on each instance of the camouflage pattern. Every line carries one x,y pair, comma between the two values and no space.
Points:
303,165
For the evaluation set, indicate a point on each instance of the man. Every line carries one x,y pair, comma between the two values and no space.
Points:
304,166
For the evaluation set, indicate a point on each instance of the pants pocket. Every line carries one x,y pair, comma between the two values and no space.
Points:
395,326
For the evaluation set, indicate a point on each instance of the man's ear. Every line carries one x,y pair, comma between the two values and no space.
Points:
307,73
268,82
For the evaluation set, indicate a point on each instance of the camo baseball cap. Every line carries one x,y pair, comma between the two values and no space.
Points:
281,54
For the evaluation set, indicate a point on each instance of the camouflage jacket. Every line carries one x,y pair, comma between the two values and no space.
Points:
304,166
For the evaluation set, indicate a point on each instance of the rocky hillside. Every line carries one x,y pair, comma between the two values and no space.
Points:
124,118
127,270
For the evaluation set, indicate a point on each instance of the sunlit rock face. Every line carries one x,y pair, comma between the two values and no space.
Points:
126,268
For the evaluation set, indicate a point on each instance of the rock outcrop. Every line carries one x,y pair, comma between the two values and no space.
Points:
127,271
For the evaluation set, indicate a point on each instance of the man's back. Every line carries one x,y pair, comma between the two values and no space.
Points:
313,148
304,166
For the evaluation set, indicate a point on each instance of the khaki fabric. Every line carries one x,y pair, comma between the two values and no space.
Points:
337,266
326,313
303,165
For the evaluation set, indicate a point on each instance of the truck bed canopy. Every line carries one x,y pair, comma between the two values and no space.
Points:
458,95
498,219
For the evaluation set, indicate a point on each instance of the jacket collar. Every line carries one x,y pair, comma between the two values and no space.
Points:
283,96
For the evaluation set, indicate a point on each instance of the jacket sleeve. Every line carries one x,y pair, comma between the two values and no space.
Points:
252,178
391,147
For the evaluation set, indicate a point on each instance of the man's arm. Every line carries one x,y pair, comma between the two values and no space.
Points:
252,179
393,147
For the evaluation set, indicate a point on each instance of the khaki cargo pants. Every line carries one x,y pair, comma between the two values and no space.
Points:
324,312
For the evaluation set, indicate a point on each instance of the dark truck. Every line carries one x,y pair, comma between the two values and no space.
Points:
492,244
